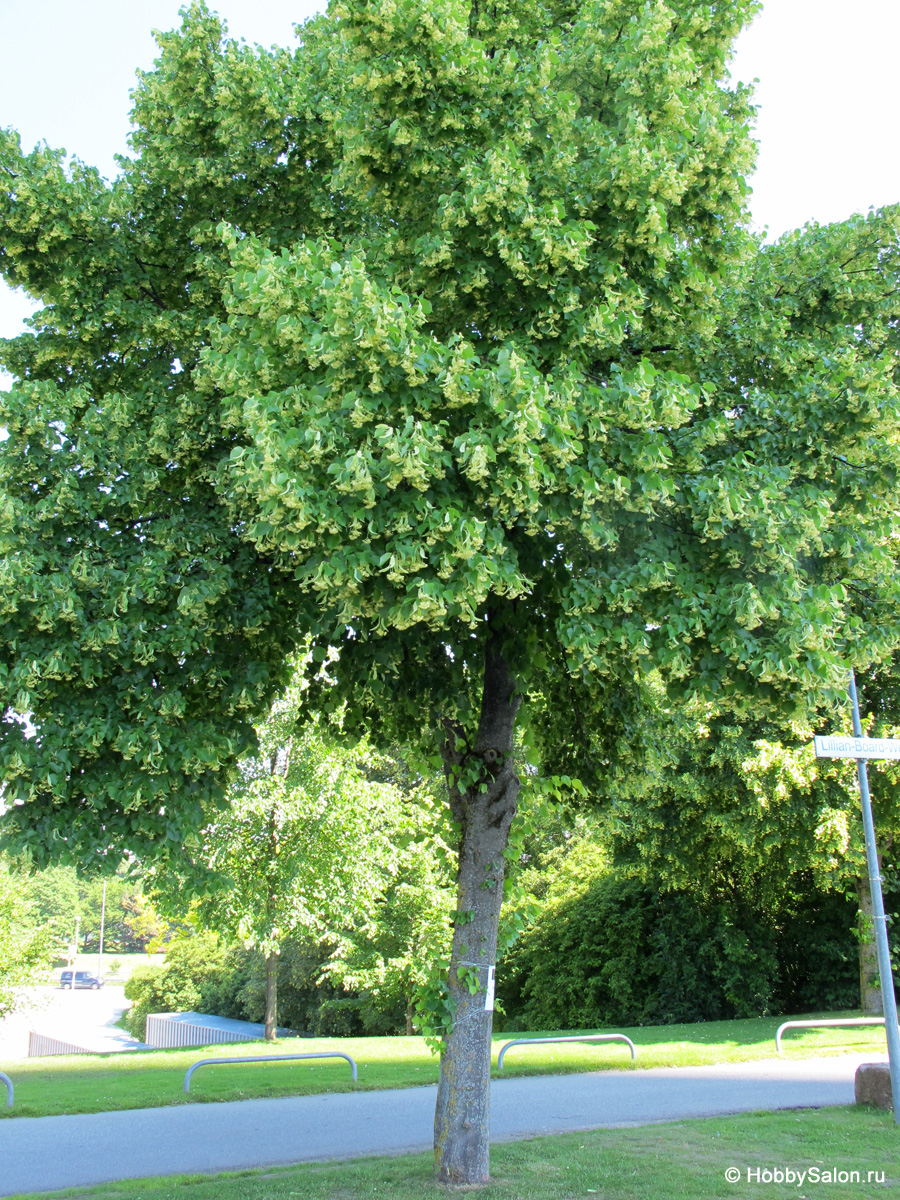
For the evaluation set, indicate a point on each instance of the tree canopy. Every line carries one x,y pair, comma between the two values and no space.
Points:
541,371
440,340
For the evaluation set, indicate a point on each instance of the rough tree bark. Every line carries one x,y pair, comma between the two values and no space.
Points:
462,1114
870,1000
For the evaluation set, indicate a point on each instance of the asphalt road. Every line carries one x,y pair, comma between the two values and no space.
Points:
46,1153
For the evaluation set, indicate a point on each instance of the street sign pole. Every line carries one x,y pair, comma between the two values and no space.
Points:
888,997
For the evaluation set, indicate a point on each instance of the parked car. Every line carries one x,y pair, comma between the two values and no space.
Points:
83,979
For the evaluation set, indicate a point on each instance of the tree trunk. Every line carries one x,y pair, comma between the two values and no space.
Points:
870,1000
410,1013
271,995
271,909
462,1114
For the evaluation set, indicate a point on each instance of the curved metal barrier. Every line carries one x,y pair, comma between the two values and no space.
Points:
816,1024
9,1089
590,1037
221,1062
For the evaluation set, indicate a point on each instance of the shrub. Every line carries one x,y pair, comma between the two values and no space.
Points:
622,953
191,964
818,952
608,949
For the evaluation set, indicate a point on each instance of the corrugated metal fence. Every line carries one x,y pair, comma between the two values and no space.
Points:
42,1044
168,1030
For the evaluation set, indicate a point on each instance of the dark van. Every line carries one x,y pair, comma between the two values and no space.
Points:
83,979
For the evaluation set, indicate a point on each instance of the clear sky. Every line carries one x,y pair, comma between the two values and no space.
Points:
827,96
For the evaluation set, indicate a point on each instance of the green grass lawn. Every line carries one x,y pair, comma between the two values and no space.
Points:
81,1084
685,1159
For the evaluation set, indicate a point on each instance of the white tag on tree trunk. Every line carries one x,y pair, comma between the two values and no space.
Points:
489,992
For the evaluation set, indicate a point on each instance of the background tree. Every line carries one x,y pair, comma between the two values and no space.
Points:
123,892
307,845
26,950
481,382
57,895
53,902
393,956
743,807
148,926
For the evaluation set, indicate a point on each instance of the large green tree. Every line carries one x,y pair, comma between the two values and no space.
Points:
440,340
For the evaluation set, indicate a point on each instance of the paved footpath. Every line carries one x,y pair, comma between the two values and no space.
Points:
46,1153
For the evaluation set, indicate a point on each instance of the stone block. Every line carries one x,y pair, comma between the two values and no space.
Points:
873,1085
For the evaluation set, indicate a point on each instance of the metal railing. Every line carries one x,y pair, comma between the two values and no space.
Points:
817,1024
9,1089
221,1062
591,1037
